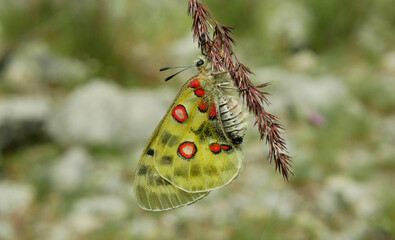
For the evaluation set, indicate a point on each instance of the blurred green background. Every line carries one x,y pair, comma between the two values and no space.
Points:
80,93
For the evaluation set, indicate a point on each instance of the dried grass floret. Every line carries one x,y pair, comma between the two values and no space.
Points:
215,41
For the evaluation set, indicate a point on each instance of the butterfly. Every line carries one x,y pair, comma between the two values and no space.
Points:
196,147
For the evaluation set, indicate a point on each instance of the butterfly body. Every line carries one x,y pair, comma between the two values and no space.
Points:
196,147
233,118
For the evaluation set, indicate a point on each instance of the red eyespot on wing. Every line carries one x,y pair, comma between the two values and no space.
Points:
225,147
187,150
213,111
195,83
199,92
215,148
203,106
180,113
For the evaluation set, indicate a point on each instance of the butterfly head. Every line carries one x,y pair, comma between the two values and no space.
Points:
203,64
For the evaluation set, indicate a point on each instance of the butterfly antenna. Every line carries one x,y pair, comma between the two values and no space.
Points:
170,77
166,68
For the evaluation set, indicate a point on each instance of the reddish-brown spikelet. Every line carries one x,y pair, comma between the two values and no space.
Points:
218,49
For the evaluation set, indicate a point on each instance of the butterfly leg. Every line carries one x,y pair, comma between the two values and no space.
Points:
227,85
219,73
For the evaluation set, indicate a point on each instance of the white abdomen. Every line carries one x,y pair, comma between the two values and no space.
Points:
233,118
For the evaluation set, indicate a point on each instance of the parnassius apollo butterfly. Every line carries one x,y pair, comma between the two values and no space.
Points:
196,147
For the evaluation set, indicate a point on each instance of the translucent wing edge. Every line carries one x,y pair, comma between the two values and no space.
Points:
175,207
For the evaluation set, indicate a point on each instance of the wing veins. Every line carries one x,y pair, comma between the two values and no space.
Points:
187,126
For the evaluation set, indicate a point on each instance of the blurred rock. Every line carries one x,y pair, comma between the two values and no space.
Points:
101,113
268,201
341,193
58,232
35,65
6,230
15,197
354,159
22,120
81,224
143,111
101,206
107,177
91,213
71,170
347,204
302,93
24,108
90,115
144,228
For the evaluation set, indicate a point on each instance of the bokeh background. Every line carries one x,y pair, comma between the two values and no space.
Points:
80,94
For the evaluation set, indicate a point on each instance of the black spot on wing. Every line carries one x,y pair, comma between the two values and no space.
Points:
196,170
203,132
150,152
169,139
211,170
162,182
180,172
156,180
167,160
199,131
173,141
166,137
207,133
143,170
237,140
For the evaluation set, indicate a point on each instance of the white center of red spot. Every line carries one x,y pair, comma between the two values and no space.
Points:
179,113
187,150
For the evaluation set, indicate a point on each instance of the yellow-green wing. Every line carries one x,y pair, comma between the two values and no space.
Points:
155,193
192,151
152,191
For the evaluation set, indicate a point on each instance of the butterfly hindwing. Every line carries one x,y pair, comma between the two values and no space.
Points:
194,153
